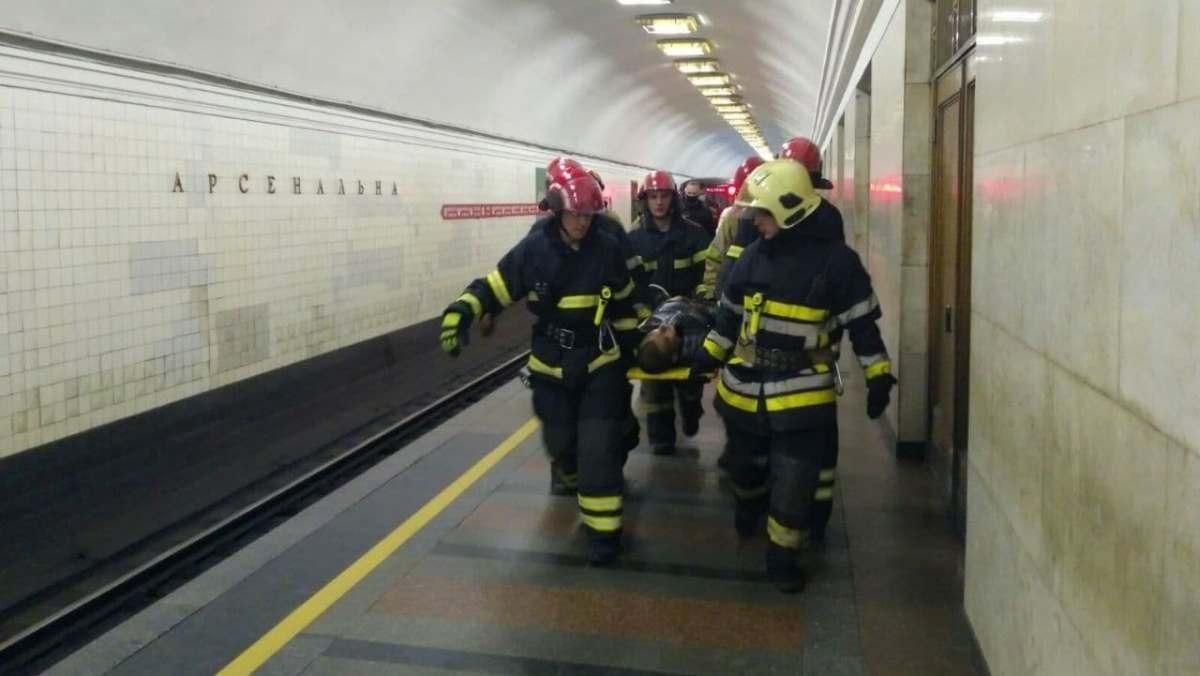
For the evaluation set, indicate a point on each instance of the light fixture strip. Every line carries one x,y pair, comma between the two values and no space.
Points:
685,47
669,24
696,66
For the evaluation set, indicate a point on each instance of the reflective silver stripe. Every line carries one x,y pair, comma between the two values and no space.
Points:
720,340
860,309
798,384
810,332
726,303
731,381
866,360
633,263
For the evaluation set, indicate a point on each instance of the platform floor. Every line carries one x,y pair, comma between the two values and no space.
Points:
497,581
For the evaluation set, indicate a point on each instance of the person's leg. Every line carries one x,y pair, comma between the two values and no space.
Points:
555,406
746,461
690,409
822,508
601,410
658,402
795,469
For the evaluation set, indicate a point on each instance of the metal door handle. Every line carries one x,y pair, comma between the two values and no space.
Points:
949,314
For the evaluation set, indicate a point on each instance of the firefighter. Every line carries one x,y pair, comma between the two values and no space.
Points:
574,278
804,151
672,249
784,296
726,228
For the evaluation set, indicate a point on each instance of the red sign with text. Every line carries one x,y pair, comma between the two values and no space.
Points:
454,212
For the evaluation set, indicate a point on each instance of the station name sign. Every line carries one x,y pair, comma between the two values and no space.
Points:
298,186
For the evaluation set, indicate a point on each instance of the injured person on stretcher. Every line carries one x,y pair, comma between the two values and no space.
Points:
674,332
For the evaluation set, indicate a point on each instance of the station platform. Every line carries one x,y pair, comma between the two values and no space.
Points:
450,557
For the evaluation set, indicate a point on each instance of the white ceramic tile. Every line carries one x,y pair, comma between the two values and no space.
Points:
1160,313
117,278
1189,49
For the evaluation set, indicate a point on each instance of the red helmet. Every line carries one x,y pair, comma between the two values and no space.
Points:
580,195
656,180
596,175
562,168
804,151
739,177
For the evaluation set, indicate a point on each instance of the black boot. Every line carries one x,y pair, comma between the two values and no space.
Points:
558,484
603,548
747,516
663,449
632,436
783,570
691,425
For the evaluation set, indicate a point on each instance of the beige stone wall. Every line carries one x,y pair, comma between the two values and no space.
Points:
1083,536
895,246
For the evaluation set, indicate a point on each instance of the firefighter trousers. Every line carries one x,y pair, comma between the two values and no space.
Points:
582,429
782,467
823,497
658,402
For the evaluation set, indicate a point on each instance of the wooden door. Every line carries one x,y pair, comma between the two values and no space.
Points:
947,177
950,279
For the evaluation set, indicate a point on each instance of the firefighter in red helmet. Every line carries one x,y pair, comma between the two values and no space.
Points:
672,249
714,258
574,278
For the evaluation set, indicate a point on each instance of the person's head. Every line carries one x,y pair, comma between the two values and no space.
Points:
739,176
803,150
693,189
658,192
659,349
778,195
580,199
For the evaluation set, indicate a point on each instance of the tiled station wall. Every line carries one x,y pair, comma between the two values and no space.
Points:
121,291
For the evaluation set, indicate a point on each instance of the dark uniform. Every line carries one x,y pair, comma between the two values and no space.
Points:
781,302
673,260
826,219
585,328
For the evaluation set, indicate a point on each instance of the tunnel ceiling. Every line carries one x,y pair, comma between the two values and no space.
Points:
576,74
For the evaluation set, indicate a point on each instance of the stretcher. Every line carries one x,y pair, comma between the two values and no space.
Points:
677,373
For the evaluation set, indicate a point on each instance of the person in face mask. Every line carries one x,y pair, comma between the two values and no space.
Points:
694,208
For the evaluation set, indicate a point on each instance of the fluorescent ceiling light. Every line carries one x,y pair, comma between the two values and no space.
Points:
692,66
722,100
718,91
643,2
735,108
685,47
736,117
713,80
669,24
1017,16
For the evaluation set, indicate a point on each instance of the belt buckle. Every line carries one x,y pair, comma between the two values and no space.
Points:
566,339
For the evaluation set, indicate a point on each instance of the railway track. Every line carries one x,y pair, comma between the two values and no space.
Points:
41,645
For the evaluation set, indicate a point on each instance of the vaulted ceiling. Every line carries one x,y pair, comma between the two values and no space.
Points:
574,74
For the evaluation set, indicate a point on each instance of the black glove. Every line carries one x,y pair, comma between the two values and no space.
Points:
879,391
456,327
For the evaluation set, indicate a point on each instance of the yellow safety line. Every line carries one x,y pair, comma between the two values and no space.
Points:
271,642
